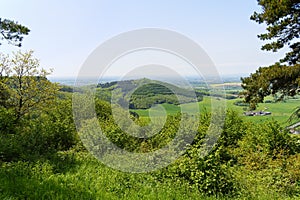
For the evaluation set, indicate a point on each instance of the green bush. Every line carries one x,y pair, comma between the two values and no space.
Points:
211,174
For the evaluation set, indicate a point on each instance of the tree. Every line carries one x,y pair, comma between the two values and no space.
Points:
282,18
26,84
12,32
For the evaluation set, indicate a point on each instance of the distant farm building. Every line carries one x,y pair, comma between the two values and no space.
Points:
257,113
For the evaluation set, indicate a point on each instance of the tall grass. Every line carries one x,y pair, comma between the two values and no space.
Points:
77,175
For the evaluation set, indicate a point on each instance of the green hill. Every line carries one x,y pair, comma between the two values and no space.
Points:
144,93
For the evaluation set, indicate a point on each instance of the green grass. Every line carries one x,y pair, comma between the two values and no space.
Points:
84,178
78,175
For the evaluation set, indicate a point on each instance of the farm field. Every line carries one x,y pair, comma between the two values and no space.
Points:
281,111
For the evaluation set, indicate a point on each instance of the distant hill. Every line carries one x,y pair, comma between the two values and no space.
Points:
143,93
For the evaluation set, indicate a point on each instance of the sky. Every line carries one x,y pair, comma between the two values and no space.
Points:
65,32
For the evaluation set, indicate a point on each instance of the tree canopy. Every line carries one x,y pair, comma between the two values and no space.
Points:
281,79
12,31
276,80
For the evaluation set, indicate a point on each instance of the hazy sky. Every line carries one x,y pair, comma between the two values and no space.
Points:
64,33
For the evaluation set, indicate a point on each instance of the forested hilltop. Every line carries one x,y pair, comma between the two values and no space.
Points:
143,93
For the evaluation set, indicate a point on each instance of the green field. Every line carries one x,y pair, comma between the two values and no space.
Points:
281,111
